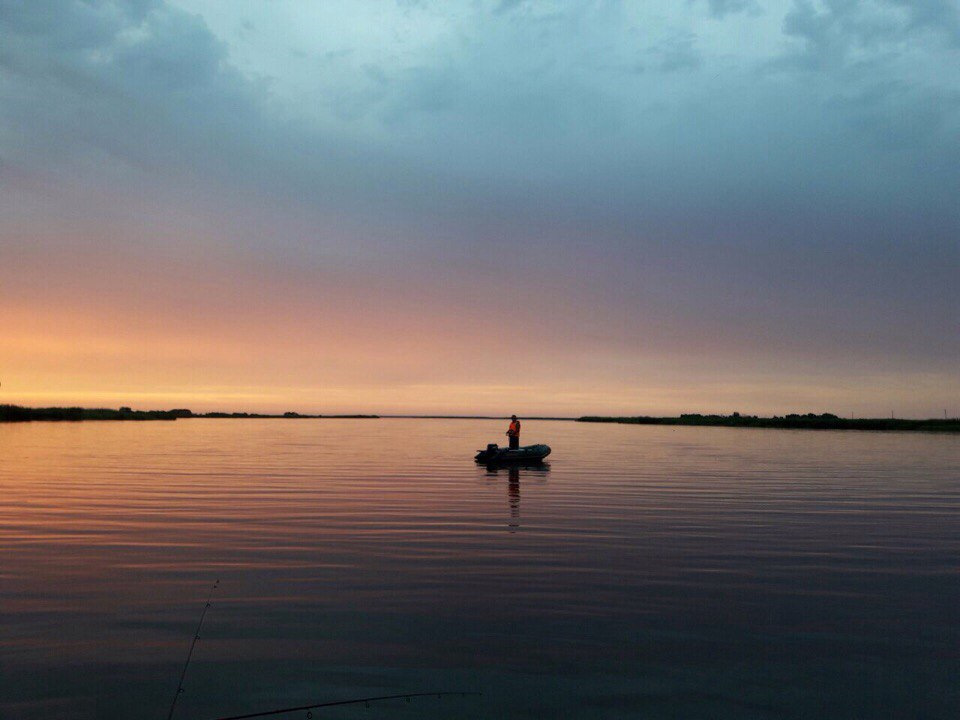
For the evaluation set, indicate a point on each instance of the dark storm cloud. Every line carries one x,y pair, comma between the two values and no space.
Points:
833,31
720,8
506,101
680,53
136,81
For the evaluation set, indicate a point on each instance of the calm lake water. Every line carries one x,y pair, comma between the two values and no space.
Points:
646,572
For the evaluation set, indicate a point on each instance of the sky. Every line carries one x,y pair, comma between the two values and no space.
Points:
541,208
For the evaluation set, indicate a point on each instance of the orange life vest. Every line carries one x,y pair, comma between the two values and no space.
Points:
514,428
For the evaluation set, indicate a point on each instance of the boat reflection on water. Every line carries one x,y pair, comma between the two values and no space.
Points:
532,471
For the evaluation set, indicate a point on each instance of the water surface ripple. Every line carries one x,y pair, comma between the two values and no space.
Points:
648,572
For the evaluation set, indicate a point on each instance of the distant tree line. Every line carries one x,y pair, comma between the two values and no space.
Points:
808,421
17,413
288,415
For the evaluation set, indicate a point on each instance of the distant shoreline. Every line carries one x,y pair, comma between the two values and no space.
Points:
17,413
475,417
809,421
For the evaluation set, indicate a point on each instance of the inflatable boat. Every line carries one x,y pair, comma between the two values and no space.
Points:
527,453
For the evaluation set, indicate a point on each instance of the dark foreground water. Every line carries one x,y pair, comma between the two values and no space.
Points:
647,572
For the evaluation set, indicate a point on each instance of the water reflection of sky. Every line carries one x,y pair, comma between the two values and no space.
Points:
652,572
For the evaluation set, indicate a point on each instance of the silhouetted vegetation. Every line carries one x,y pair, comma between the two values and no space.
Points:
286,415
809,421
17,413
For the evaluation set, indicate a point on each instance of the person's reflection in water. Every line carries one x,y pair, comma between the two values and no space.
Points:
538,470
513,492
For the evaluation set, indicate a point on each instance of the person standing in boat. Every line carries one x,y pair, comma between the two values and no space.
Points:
514,432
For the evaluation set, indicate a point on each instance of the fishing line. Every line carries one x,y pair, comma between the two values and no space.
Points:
357,701
405,696
196,636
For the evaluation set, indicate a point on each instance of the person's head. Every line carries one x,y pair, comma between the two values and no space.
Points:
513,417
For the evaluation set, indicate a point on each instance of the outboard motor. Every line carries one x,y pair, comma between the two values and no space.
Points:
492,451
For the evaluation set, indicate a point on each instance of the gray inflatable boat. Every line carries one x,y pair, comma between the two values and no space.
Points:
527,453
